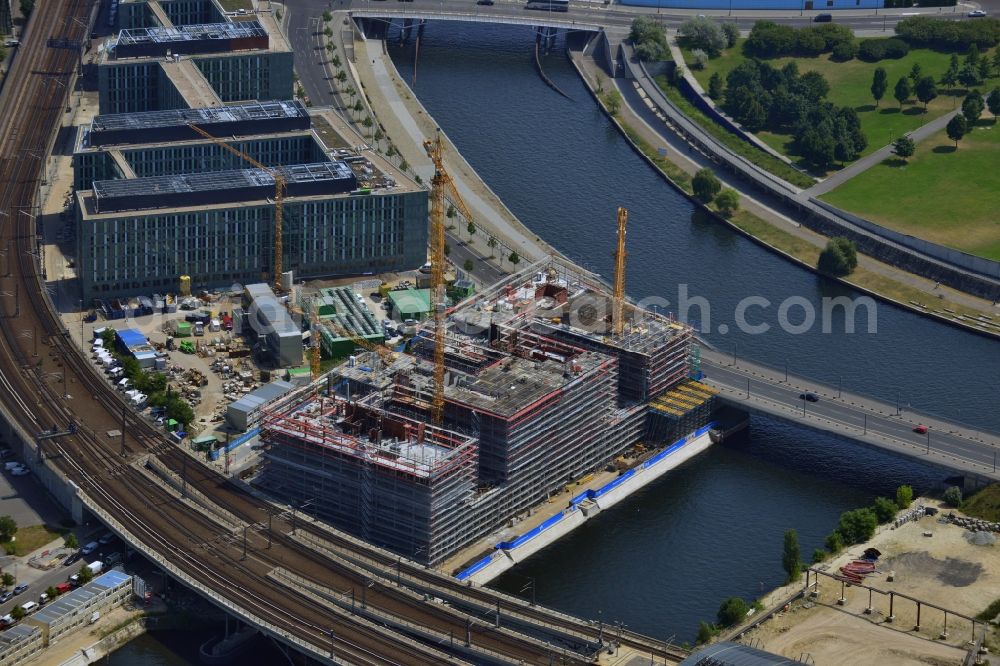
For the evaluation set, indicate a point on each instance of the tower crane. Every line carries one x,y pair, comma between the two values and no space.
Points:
441,185
279,198
618,295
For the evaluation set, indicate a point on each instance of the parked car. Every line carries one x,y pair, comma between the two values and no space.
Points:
20,471
977,13
19,589
106,539
73,559
809,397
6,596
89,548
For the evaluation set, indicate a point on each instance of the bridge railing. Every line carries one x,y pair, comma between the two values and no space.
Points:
545,19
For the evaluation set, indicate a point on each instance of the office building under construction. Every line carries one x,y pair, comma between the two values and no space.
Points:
538,386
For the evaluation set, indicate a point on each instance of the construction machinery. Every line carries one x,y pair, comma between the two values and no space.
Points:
279,199
618,295
441,186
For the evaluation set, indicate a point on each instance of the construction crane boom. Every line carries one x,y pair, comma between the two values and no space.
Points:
441,185
279,199
618,296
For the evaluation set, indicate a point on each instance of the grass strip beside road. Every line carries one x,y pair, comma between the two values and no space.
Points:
32,537
734,143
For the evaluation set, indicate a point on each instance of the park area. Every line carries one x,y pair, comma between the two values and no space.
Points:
942,194
850,85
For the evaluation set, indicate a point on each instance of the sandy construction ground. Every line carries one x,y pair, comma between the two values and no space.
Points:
930,561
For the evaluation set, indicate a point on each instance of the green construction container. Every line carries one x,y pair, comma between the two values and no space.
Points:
182,329
172,425
204,443
410,303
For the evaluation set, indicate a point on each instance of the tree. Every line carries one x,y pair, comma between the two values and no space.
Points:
904,147
885,509
972,107
327,16
471,228
3,52
727,201
880,81
950,76
447,250
993,101
953,496
704,33
335,59
715,86
468,265
732,611
17,613
328,31
85,574
70,541
7,579
8,527
341,76
732,33
613,100
705,185
514,258
27,6
404,166
857,526
838,258
451,212
649,39
108,338
957,127
52,592
926,90
904,497
996,62
902,91
358,107
699,59
819,555
705,633
916,73
492,243
791,558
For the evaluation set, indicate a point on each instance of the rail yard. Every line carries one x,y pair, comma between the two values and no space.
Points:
334,597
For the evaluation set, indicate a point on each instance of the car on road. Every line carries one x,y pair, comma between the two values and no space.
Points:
89,548
106,539
920,429
19,589
823,18
809,397
20,471
73,559
977,13
6,596
485,2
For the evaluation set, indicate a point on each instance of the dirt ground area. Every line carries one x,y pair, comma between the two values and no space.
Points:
927,560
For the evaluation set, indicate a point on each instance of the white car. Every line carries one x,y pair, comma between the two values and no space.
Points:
20,471
977,13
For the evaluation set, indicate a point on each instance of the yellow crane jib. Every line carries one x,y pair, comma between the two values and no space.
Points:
279,199
618,296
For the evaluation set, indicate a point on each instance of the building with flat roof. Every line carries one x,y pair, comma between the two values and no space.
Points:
19,644
131,341
148,213
208,65
729,653
69,612
247,412
278,335
145,14
409,303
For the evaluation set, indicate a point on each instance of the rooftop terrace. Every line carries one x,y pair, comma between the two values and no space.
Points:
206,38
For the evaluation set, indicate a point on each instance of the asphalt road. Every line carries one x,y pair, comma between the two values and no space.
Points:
844,413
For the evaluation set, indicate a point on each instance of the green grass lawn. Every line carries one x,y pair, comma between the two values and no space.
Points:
235,5
943,195
31,538
850,84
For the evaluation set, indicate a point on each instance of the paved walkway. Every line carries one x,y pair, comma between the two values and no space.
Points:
883,153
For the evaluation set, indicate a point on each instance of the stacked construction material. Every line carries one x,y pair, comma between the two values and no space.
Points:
855,572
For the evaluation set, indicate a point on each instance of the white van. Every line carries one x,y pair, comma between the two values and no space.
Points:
29,607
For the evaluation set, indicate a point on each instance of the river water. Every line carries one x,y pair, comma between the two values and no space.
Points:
666,557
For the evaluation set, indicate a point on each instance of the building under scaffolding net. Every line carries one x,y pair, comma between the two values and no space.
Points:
538,384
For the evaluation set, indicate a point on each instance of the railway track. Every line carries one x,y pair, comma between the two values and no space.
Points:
39,363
